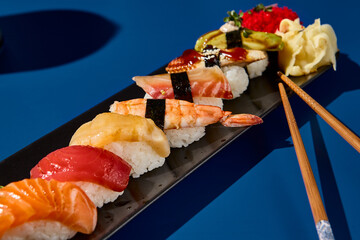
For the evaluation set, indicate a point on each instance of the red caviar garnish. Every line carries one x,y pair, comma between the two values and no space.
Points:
266,19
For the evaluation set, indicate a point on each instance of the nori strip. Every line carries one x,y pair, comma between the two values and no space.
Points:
181,86
233,39
212,60
155,110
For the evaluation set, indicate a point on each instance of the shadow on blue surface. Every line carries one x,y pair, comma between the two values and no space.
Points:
195,192
46,39
331,195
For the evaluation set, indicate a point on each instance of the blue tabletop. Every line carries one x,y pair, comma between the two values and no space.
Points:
63,57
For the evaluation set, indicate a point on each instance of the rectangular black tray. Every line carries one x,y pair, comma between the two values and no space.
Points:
261,97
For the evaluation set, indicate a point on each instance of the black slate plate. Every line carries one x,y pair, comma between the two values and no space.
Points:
261,97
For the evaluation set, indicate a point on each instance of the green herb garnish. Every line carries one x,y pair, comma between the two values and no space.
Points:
233,16
246,32
261,7
237,18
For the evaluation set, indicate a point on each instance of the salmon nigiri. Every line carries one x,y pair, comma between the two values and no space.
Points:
100,173
41,209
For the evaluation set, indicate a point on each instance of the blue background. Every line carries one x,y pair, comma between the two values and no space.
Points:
63,57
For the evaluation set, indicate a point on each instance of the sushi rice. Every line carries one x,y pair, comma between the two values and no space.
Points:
39,230
98,194
183,137
237,78
139,155
255,69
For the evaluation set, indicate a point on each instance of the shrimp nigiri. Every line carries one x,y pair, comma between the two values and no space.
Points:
183,122
183,114
41,209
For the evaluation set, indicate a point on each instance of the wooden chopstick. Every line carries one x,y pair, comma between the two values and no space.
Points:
317,208
340,128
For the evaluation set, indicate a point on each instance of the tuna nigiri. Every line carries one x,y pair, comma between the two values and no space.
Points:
41,209
100,173
135,139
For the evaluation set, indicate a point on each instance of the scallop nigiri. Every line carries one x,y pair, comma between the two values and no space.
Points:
135,139
100,173
41,209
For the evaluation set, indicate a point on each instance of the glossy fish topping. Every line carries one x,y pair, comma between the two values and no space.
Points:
84,163
204,82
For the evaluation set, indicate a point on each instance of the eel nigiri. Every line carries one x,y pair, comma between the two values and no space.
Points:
191,59
135,139
41,209
248,64
100,173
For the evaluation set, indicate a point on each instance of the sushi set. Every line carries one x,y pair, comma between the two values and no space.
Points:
92,175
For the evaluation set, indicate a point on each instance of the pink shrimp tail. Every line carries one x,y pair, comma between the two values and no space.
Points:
240,120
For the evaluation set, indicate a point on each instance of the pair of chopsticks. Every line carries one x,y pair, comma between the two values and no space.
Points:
340,128
319,214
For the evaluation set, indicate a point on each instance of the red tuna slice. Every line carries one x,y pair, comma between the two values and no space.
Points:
84,163
204,82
